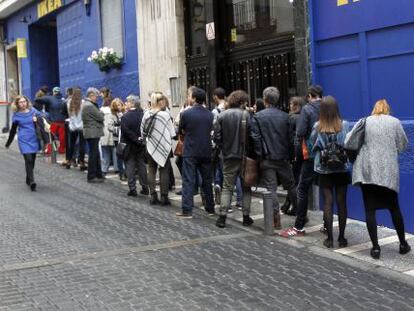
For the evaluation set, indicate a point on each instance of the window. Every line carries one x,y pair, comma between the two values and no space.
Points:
112,25
259,20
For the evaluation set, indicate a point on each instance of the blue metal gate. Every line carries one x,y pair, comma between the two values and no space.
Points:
363,51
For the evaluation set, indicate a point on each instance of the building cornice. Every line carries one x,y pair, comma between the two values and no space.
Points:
9,7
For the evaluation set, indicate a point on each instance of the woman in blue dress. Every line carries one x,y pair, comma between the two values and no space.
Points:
24,119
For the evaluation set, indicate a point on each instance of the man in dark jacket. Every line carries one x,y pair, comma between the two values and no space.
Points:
270,133
135,153
307,119
196,125
53,105
93,123
231,138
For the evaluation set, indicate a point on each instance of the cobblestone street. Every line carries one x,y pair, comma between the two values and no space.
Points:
79,246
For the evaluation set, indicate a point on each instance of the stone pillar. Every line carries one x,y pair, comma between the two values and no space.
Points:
302,45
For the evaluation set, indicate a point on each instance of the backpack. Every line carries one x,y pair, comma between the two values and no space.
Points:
333,156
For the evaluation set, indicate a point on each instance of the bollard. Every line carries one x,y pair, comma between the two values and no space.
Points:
268,213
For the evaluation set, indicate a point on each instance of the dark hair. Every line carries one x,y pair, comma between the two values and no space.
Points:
69,91
297,102
106,91
237,98
44,89
329,118
199,95
315,91
259,104
220,93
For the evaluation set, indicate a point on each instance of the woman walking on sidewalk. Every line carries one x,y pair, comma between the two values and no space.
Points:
331,163
25,118
376,169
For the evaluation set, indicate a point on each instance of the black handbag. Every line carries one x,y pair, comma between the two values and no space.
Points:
122,149
355,141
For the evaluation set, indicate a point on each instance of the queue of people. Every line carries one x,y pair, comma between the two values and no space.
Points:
308,145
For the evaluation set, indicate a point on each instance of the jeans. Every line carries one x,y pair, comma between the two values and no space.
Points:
307,176
164,176
218,174
231,171
190,167
270,171
108,154
136,162
73,137
29,161
94,162
239,190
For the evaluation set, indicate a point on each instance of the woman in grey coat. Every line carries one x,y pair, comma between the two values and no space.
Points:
376,169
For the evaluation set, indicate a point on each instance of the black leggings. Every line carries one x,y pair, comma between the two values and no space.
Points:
29,161
376,197
340,195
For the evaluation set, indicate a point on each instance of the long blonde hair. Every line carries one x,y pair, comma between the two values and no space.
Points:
381,107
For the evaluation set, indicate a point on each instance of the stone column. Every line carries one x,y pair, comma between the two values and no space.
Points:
302,45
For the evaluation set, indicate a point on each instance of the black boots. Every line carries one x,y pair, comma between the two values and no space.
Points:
144,190
164,200
404,248
247,220
154,199
132,193
221,221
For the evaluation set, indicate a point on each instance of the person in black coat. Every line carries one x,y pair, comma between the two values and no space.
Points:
134,155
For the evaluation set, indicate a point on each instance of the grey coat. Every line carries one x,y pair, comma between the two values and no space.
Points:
377,161
93,120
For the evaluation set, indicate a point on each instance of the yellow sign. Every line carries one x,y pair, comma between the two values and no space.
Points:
47,6
344,2
21,48
234,35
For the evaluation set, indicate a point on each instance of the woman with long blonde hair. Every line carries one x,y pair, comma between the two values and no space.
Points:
24,120
376,170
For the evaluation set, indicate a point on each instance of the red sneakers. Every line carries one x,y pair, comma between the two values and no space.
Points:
292,232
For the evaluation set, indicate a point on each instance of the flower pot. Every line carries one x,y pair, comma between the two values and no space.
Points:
104,68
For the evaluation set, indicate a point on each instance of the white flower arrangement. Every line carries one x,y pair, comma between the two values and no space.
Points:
105,58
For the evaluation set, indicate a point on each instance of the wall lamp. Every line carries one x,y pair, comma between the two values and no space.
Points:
87,4
25,19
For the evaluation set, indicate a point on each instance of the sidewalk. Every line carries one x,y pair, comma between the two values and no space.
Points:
356,232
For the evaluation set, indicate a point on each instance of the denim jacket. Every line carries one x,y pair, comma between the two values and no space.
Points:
319,141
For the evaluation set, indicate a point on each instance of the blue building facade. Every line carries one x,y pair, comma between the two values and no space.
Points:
61,35
363,51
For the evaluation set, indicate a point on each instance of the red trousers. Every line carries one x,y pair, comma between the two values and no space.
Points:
58,130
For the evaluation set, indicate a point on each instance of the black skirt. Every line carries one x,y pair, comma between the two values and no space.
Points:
334,179
378,197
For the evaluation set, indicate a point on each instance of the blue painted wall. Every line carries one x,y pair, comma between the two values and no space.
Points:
78,36
361,52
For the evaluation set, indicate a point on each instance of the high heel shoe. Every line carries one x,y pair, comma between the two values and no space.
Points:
375,253
404,248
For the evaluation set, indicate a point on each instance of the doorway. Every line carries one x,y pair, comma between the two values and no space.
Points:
44,57
13,73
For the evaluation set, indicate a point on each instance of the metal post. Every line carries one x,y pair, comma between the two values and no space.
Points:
54,151
268,213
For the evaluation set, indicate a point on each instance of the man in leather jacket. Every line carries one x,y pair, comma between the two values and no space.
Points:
270,133
227,136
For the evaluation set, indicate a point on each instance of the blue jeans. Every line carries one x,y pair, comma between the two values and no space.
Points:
218,174
190,167
239,190
108,153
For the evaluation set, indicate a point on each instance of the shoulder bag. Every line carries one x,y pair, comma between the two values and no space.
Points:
356,139
250,169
